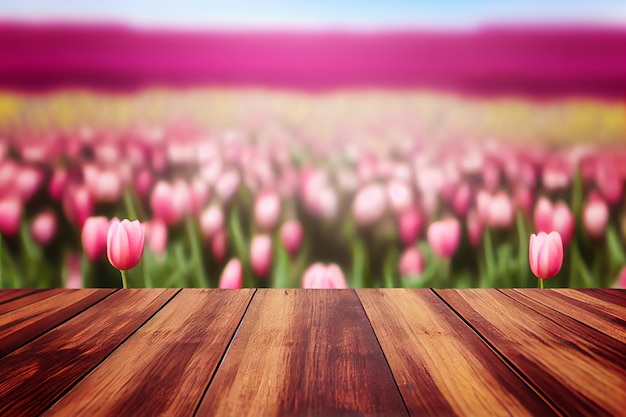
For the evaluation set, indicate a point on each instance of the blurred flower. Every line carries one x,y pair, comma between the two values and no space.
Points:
10,214
411,262
291,234
227,185
501,211
557,217
156,235
219,244
556,174
410,225
211,220
523,199
595,215
400,195
125,244
444,237
318,276
199,195
545,254
94,237
475,228
491,175
462,199
261,255
27,182
170,202
104,186
57,183
44,227
77,204
267,210
232,276
608,181
369,204
74,278
143,182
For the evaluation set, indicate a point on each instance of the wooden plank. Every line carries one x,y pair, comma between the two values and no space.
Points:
603,316
581,370
10,294
435,357
58,359
614,296
165,367
303,352
24,324
28,298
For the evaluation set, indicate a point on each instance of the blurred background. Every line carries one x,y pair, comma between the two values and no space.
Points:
411,144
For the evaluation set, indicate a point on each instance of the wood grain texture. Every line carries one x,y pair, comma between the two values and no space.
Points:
440,365
614,296
165,367
10,294
27,299
34,376
603,316
24,324
578,368
304,352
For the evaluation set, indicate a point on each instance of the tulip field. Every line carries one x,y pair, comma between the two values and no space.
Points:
329,192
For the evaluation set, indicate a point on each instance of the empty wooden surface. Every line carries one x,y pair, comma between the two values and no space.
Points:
312,352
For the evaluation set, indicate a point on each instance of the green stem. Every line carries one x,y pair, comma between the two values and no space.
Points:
130,207
540,283
489,258
522,250
124,278
196,253
390,267
358,264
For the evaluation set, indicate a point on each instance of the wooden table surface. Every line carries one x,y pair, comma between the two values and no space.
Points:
268,352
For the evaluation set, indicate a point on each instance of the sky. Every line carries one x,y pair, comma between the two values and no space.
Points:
357,14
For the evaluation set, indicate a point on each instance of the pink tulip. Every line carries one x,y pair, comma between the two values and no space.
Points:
523,199
77,204
9,170
491,175
261,255
444,237
411,262
170,202
74,278
227,185
27,182
291,233
545,254
595,215
556,174
475,228
462,199
267,210
399,195
609,182
219,245
199,194
232,276
10,214
501,211
211,220
143,182
156,235
44,227
105,186
563,222
318,276
543,215
125,243
57,183
369,204
410,225
94,237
